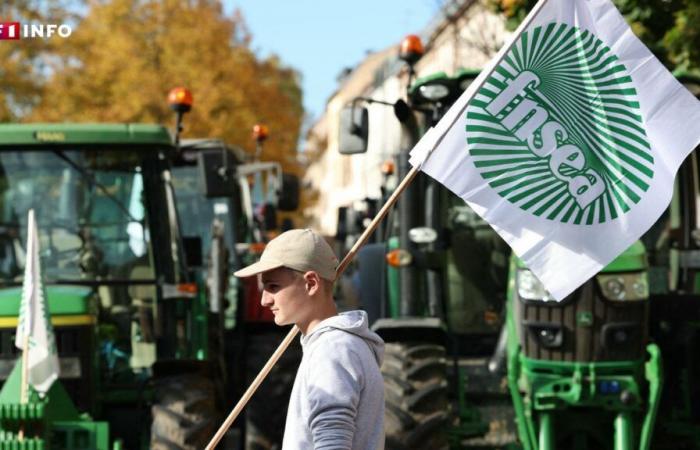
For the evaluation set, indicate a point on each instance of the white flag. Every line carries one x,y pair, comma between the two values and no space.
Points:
571,142
34,319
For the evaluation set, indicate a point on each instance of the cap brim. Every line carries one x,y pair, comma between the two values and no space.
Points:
258,267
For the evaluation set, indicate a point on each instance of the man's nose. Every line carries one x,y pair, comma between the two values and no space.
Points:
266,299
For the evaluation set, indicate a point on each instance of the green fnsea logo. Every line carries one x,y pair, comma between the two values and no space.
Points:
557,129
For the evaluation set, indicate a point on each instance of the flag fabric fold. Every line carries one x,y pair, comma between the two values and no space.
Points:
568,142
34,324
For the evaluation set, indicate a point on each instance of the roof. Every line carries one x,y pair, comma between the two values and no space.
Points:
83,133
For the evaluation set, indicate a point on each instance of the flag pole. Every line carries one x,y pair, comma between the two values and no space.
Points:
410,176
252,388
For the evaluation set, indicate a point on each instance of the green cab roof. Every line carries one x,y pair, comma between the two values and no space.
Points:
461,74
62,300
455,84
83,133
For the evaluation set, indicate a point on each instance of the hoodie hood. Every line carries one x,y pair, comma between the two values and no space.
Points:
353,322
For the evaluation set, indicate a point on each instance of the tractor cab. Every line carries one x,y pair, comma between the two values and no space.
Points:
113,261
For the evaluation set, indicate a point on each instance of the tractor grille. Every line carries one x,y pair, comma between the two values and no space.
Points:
585,327
75,350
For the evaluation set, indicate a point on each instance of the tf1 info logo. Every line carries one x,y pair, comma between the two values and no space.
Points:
16,30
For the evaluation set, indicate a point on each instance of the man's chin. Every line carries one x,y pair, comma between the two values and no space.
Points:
281,321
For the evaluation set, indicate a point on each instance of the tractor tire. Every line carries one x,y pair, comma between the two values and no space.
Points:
266,412
184,413
415,386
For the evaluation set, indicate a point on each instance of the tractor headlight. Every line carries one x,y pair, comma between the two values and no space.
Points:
434,92
530,288
422,235
624,286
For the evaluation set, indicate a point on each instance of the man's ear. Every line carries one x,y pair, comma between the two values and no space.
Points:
312,282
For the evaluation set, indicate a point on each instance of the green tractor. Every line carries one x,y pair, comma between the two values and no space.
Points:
135,328
586,373
232,205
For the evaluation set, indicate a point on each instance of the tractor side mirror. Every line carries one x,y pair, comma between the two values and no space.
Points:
192,245
402,111
354,130
216,173
288,199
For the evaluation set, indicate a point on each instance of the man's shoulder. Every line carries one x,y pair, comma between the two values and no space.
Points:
337,337
340,344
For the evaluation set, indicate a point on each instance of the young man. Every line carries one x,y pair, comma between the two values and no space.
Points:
337,401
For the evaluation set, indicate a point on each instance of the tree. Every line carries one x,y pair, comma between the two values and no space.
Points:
668,27
125,55
24,61
683,40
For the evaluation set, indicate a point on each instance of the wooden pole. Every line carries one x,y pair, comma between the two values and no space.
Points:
252,388
377,219
293,332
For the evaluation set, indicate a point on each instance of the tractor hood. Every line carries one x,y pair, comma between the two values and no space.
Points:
62,300
631,260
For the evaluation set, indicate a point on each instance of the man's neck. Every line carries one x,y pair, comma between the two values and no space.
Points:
326,310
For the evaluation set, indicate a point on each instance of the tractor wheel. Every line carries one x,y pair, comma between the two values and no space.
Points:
266,412
184,413
415,384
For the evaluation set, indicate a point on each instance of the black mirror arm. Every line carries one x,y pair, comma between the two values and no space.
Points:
369,100
355,127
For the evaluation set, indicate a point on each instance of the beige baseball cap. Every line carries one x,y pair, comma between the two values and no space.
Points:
301,250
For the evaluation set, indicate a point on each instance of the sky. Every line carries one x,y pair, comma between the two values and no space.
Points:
319,38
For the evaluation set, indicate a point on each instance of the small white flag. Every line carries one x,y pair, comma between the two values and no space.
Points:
571,142
34,319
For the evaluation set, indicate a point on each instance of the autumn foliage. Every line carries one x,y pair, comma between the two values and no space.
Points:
125,55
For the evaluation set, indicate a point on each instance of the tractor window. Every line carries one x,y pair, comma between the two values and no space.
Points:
89,209
196,212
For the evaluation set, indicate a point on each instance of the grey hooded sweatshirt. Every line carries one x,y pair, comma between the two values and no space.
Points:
337,401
